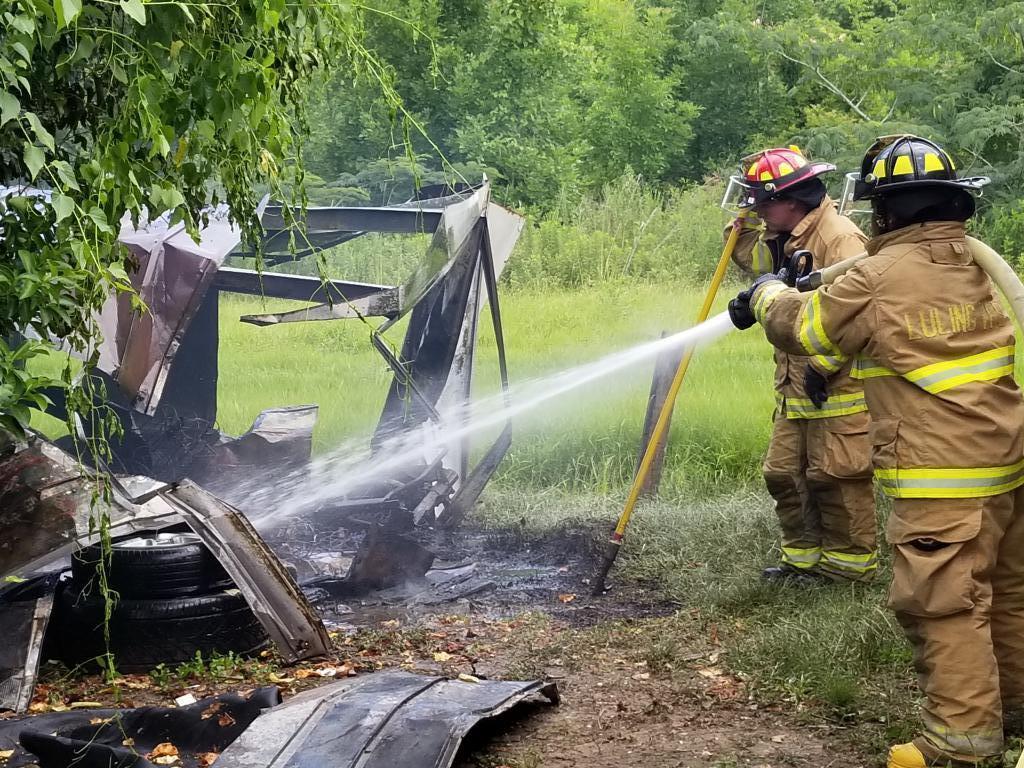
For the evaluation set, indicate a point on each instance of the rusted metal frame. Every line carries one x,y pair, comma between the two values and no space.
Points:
275,248
403,373
407,221
478,478
288,617
298,287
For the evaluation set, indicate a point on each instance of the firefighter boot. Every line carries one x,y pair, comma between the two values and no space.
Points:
788,574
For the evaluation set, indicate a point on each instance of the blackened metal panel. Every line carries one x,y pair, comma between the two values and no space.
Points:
292,623
191,387
383,720
24,626
431,339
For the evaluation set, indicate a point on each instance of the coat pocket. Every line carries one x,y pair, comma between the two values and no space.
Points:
883,434
847,451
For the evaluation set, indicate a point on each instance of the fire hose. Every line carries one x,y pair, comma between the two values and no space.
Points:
995,266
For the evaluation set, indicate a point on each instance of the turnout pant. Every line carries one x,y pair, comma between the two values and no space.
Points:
958,593
819,473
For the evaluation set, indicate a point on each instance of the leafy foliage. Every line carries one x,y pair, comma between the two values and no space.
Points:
117,109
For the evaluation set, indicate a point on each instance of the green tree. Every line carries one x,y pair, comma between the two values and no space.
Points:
116,108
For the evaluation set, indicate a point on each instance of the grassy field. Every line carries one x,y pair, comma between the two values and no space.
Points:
585,441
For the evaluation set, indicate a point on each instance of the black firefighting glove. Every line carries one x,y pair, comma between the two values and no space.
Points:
816,386
740,313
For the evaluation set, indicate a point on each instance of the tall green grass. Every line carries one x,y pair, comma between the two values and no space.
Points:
587,440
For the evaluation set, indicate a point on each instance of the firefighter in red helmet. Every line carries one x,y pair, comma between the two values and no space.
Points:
818,466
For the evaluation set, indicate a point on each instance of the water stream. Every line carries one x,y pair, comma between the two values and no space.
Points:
337,473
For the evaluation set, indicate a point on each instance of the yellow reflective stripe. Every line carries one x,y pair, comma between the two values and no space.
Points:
764,297
849,562
865,368
761,258
830,363
950,483
801,558
984,366
812,333
836,405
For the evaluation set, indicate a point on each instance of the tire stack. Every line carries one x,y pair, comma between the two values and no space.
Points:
173,599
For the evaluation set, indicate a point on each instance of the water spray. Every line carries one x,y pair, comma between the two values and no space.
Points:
344,469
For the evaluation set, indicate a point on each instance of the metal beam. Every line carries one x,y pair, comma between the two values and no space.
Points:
276,285
321,220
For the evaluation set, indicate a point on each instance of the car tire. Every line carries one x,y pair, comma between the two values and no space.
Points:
154,566
144,633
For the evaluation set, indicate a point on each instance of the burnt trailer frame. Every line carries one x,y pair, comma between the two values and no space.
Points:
169,422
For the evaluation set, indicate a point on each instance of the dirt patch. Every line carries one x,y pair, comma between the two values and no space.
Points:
644,681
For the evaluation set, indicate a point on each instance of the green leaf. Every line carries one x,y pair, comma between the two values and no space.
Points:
118,72
24,24
10,107
67,10
135,9
22,51
67,174
44,136
63,206
186,11
99,218
34,160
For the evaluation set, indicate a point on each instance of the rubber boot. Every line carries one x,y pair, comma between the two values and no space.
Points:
905,756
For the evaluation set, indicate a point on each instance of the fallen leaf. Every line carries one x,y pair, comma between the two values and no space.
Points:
391,623
184,701
442,657
166,760
206,759
468,678
327,672
778,739
302,674
567,598
709,672
164,749
642,676
98,720
225,720
128,742
6,754
275,679
347,669
211,710
86,705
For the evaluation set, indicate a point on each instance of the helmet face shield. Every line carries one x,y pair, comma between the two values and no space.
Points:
739,196
850,204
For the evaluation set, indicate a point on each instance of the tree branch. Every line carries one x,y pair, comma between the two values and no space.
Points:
830,86
1001,65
